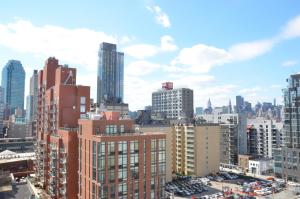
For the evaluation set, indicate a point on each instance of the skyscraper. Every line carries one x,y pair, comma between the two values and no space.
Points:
60,104
2,107
239,104
13,82
287,158
110,77
31,105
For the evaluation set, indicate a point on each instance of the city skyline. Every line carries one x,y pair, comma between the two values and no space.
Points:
165,49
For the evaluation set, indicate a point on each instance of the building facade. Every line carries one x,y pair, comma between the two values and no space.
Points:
196,149
60,104
31,105
110,76
234,121
262,166
2,109
116,162
13,82
173,103
287,158
263,135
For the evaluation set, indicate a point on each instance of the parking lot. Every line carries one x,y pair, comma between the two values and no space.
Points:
224,185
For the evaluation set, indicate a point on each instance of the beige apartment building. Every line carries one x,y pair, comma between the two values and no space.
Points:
190,149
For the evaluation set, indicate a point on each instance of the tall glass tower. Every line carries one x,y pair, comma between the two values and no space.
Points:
110,77
13,82
287,158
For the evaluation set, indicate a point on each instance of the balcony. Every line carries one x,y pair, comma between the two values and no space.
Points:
63,181
63,171
62,192
63,161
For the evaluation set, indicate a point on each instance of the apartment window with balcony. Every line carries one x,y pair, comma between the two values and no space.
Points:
111,129
94,160
122,147
111,162
153,145
134,146
122,129
153,157
122,189
101,162
111,148
122,161
161,144
111,175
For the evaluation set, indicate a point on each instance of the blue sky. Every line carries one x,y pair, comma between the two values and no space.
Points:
218,48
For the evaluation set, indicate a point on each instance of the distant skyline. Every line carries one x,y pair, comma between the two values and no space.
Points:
219,49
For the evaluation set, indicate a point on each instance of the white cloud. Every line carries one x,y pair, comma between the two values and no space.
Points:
289,63
161,17
141,51
73,46
201,58
139,68
291,29
250,50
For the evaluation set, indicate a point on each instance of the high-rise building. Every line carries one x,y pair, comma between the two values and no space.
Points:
287,158
110,77
31,105
2,109
117,162
193,149
197,149
60,104
239,104
173,103
229,107
13,82
233,134
209,109
263,136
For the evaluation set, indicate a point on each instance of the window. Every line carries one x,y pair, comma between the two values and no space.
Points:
111,129
122,129
82,100
82,108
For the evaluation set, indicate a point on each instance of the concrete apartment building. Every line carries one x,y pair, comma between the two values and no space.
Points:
197,149
116,162
233,134
263,135
60,104
193,150
173,103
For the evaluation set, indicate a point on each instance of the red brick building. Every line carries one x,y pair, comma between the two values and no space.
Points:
60,104
116,162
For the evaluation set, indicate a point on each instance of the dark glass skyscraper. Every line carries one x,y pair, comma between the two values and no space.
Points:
287,158
110,77
13,82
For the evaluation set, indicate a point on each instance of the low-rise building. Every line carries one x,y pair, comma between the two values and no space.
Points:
262,166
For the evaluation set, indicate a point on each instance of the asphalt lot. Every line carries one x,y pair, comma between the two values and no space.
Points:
238,185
